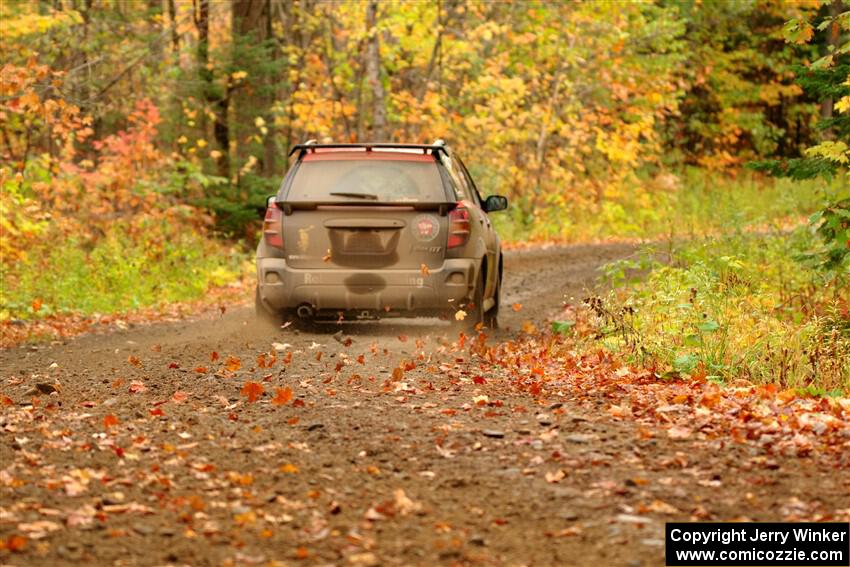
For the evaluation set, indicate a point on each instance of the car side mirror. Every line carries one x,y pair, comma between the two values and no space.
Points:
495,203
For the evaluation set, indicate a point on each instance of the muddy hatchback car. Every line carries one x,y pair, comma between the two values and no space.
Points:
366,231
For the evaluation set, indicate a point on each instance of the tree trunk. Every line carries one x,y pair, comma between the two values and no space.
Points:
833,39
373,74
219,102
251,27
172,15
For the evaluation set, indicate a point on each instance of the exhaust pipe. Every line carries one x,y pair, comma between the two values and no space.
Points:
304,311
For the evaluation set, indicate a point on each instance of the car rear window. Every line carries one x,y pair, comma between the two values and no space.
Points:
390,180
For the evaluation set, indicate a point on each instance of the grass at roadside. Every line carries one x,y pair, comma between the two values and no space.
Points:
688,205
741,305
117,273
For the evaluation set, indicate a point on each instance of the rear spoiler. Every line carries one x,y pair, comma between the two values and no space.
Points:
442,207
435,148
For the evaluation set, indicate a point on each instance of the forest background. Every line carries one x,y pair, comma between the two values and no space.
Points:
139,138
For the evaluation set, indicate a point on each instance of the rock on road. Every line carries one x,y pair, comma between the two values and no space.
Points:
150,452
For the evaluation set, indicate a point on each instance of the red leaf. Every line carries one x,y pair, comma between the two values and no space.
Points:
252,390
15,543
213,356
109,421
156,412
179,397
282,396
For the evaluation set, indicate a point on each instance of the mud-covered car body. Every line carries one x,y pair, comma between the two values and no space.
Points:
373,230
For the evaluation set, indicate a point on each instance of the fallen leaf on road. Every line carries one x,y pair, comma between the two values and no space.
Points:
179,397
405,505
233,364
282,396
661,507
555,477
678,433
252,390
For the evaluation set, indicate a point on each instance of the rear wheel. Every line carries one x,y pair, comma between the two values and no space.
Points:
474,309
491,317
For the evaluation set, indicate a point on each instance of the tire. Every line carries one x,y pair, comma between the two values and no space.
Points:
491,317
474,309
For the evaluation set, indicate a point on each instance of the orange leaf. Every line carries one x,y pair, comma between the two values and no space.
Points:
302,553
261,360
16,543
233,364
517,306
423,269
36,305
200,369
109,421
134,361
252,390
179,397
293,420
282,395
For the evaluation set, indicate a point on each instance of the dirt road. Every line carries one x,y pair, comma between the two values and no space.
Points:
397,448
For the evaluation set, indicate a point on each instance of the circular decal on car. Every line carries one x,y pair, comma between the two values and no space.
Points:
425,228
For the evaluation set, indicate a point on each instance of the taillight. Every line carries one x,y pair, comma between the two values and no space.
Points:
272,233
458,227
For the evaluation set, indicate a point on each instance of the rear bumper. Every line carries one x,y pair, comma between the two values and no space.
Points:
380,291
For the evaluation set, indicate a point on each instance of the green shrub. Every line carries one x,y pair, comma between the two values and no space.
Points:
737,306
122,270
692,203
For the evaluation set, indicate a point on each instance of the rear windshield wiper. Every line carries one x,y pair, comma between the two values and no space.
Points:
359,195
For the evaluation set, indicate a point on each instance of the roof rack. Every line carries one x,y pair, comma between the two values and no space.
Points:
312,146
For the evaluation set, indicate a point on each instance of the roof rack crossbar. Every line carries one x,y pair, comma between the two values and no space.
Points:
311,146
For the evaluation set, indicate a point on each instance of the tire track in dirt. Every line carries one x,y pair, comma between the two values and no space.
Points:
386,455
